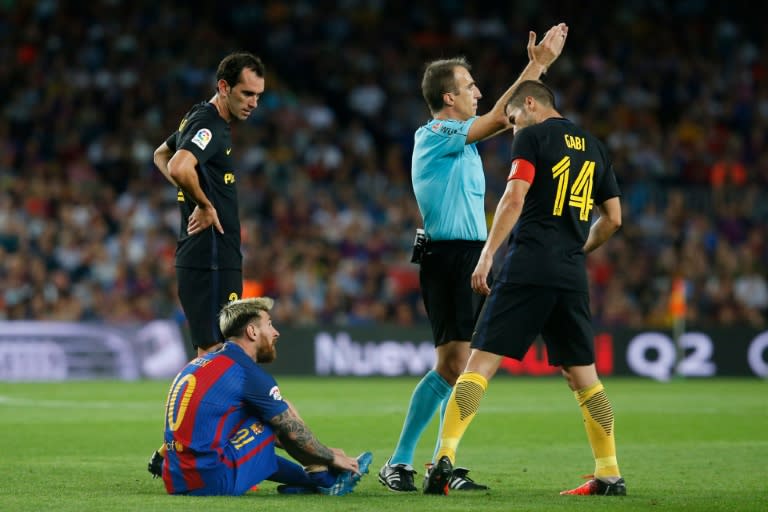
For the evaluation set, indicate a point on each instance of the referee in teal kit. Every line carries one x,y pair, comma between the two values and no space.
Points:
449,184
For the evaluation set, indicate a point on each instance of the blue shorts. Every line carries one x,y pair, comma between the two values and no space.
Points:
231,471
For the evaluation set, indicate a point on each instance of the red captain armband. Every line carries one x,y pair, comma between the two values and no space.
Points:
522,170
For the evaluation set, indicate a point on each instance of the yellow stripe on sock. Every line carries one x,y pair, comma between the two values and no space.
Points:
461,409
469,392
598,422
582,395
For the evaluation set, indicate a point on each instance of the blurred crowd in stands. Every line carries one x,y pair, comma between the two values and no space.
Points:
678,90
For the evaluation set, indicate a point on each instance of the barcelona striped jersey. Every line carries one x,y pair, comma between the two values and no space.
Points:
216,419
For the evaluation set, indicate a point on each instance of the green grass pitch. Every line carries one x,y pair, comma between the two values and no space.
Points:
697,445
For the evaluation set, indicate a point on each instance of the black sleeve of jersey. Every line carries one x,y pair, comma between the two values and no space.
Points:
171,141
524,146
202,134
608,187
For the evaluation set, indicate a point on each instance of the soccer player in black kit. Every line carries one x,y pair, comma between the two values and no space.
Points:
197,159
560,173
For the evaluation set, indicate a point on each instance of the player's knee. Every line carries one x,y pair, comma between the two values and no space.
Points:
580,377
450,371
568,378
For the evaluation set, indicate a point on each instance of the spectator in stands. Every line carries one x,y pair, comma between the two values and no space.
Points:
83,138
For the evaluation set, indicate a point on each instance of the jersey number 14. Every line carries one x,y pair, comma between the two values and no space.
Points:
580,194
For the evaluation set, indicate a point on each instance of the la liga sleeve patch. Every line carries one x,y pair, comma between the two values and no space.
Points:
522,170
202,138
275,393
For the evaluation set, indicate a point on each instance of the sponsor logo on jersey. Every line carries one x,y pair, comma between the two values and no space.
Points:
174,446
202,138
229,150
513,170
275,393
438,127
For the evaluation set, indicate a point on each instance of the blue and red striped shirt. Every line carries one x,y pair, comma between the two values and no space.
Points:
217,416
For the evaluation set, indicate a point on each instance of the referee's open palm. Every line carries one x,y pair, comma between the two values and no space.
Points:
550,47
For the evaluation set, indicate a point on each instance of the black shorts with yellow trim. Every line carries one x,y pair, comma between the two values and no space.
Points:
202,293
514,315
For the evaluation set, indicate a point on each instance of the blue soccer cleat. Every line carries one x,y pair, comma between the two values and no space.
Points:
347,481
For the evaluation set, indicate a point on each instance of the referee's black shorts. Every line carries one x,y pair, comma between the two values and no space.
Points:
202,293
515,314
445,277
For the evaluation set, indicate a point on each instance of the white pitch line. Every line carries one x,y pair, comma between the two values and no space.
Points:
70,404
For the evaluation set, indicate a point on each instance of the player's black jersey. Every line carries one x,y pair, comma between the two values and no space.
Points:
204,133
573,174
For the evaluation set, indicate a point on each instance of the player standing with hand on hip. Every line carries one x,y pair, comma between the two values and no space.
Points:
197,159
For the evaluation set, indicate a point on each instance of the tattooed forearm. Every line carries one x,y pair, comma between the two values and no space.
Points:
299,441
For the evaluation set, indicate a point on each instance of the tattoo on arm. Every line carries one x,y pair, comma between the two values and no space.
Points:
299,441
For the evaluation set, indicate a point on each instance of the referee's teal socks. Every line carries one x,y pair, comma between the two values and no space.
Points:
427,397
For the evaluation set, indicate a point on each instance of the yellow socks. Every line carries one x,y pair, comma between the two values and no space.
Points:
593,402
462,407
598,422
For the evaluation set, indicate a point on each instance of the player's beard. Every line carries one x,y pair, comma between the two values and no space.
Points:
266,353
